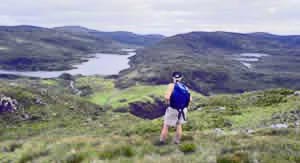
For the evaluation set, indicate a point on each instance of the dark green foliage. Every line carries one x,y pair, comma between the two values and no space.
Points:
74,158
123,150
31,155
187,148
12,147
272,97
238,157
187,138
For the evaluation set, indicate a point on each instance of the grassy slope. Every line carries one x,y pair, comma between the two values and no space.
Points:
107,95
72,136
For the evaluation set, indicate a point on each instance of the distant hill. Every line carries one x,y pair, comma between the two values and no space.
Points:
119,36
210,61
37,48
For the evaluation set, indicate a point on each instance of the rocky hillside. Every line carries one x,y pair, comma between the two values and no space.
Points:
216,62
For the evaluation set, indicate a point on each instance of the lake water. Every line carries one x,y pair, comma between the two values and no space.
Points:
247,59
101,64
254,55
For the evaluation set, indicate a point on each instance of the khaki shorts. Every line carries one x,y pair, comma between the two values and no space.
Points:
171,117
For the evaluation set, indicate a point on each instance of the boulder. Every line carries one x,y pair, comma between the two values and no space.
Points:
39,101
297,93
220,108
8,104
219,131
278,126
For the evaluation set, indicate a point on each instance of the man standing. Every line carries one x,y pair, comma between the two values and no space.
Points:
178,97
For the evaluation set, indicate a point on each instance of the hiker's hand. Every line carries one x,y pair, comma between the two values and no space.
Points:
167,101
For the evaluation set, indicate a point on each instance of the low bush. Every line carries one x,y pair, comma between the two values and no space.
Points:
187,148
74,158
124,150
238,157
12,147
29,156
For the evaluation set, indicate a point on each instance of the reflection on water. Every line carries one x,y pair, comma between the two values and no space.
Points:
255,55
101,64
247,59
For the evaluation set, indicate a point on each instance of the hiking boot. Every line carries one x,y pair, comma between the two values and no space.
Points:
177,142
160,143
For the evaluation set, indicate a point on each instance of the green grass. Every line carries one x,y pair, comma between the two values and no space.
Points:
72,129
49,82
116,98
105,94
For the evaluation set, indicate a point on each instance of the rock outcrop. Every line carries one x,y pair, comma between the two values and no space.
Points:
148,110
8,104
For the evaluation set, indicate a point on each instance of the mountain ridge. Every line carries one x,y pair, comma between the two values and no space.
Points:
38,48
120,36
210,62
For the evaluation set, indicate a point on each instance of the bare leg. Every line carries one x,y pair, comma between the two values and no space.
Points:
178,133
164,133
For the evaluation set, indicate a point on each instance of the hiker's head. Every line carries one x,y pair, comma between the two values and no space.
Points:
177,76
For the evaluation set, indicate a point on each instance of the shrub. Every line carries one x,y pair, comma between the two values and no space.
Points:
106,155
124,150
74,158
187,138
145,127
269,99
238,157
187,148
32,155
164,150
223,100
281,91
12,147
272,97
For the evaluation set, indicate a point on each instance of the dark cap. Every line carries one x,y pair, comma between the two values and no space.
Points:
177,75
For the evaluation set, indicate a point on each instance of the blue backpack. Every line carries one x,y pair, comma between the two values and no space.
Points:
180,98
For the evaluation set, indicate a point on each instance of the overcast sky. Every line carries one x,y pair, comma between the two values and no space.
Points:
157,16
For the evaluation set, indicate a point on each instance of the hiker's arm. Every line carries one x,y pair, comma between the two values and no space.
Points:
169,92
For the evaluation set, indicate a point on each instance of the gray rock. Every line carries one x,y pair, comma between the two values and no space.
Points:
39,101
297,93
249,131
199,109
8,104
221,108
219,131
25,116
278,126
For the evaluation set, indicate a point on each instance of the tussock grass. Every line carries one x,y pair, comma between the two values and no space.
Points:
81,131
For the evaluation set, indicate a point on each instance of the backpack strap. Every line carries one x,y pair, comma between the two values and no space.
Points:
181,113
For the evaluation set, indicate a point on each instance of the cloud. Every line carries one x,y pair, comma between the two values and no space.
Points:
155,16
